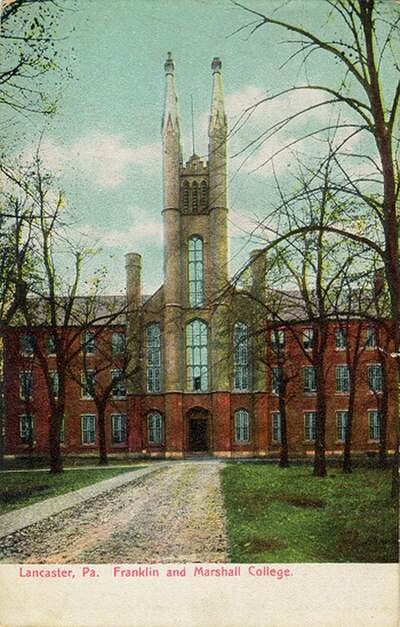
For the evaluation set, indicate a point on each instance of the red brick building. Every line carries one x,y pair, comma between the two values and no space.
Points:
199,371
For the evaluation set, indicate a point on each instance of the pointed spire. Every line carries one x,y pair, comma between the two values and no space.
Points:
171,108
217,117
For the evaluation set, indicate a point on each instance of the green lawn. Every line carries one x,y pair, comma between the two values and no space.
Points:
18,489
287,515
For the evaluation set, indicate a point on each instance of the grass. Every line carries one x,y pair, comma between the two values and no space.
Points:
18,489
287,515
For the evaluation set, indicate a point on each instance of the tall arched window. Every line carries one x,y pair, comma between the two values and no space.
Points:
197,356
185,195
240,357
155,428
154,358
196,271
203,195
195,196
242,426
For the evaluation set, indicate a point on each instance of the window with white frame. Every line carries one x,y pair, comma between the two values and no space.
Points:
88,429
154,357
26,384
197,356
240,357
242,426
277,375
54,383
88,384
309,379
375,378
196,271
278,340
118,428
51,343
155,428
88,343
27,344
308,339
340,338
310,424
371,340
118,342
342,379
374,424
342,417
276,426
119,384
27,429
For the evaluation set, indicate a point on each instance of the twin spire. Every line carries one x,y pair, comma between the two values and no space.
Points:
171,123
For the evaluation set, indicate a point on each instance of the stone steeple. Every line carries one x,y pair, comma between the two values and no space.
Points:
218,202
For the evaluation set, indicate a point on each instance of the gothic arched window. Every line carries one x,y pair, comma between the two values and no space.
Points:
154,358
240,357
197,356
203,195
196,271
195,196
242,426
155,428
185,195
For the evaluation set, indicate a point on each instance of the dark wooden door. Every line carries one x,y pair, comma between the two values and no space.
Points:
198,440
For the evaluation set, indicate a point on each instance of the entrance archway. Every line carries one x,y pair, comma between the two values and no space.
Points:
198,431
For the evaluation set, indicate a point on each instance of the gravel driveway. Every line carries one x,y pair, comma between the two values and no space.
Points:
174,514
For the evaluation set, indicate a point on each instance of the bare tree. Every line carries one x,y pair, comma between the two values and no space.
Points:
362,40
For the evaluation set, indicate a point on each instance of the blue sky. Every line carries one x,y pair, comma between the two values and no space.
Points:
105,142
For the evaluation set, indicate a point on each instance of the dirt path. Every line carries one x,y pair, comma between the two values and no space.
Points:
172,515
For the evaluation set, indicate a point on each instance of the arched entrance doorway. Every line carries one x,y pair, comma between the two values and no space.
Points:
198,430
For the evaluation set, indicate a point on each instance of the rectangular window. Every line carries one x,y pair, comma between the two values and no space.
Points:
341,421
154,357
374,424
276,426
26,384
340,338
240,357
242,426
309,379
371,338
88,384
310,423
118,342
342,379
88,429
88,343
51,344
118,428
155,425
54,383
278,340
27,429
277,374
27,344
119,387
375,378
308,339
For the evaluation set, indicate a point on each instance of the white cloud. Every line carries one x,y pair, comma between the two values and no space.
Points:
104,158
144,230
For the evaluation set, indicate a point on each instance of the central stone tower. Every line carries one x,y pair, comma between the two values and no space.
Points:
191,387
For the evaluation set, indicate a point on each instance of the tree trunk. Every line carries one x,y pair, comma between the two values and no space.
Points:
319,458
103,458
56,464
284,452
